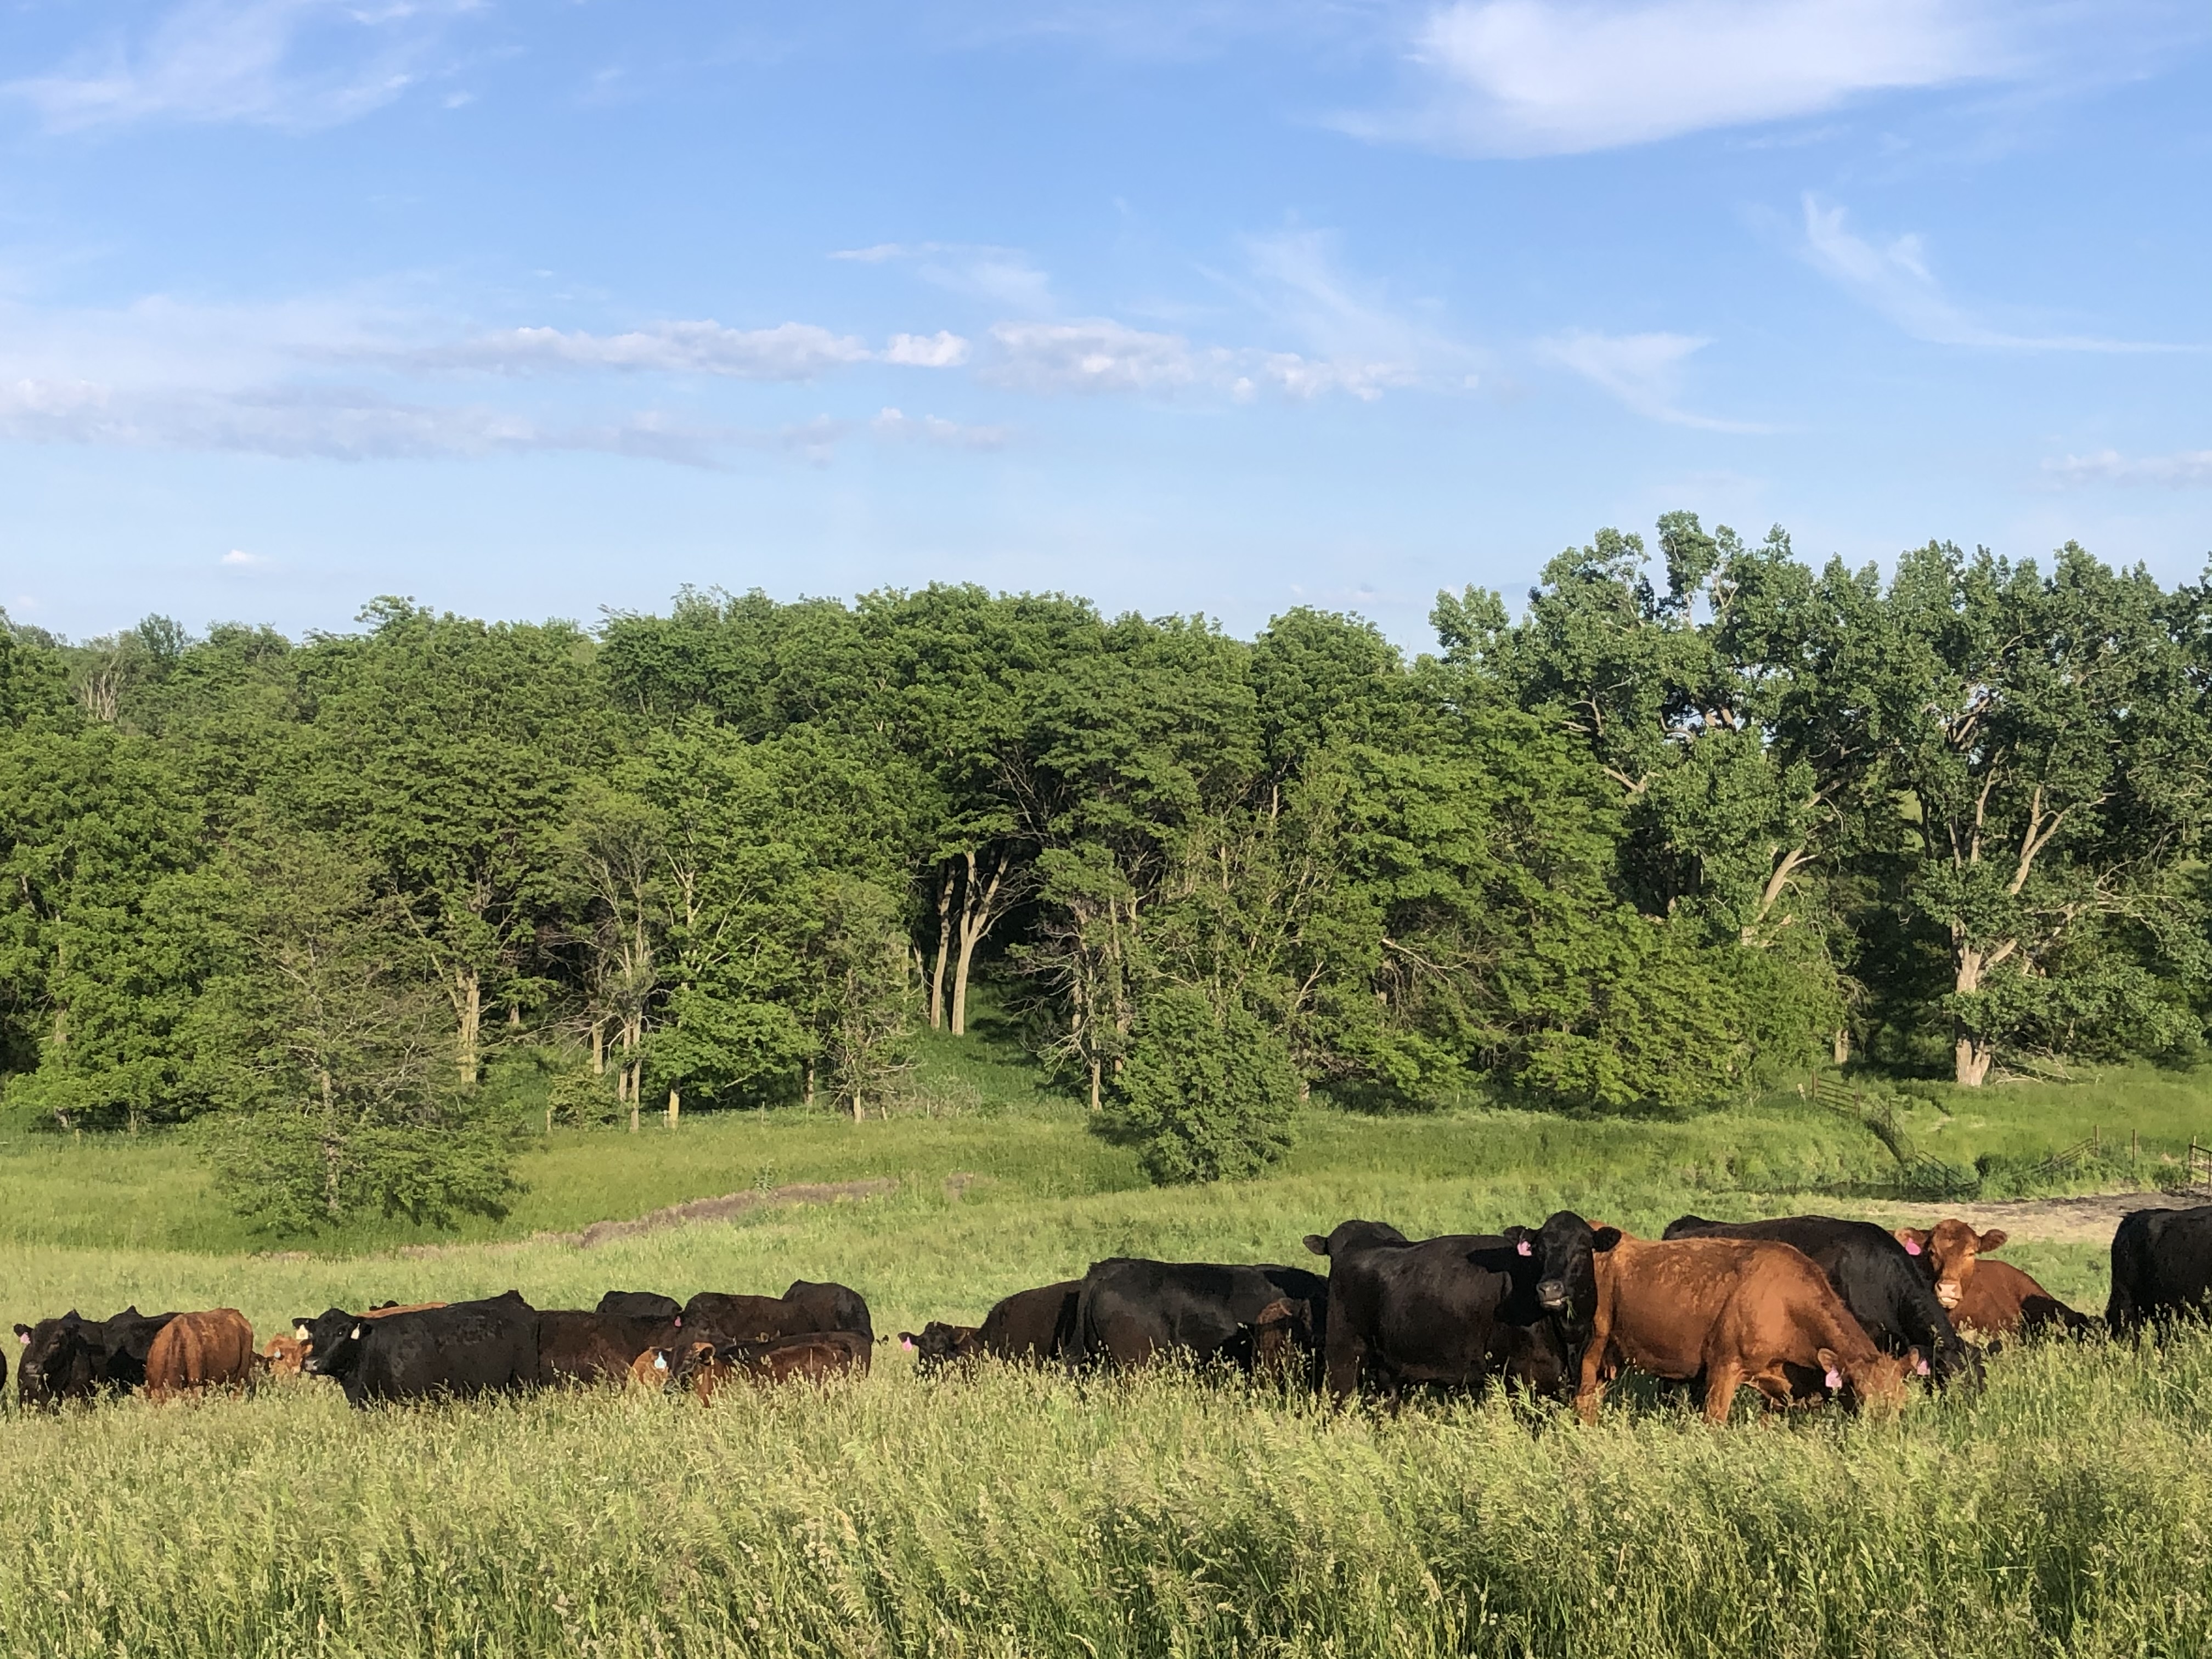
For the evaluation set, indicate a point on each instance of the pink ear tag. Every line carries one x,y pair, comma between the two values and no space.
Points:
1912,1248
908,1345
1835,1378
1522,1249
1920,1365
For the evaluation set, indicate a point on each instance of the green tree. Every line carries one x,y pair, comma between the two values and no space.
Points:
325,1047
1207,1095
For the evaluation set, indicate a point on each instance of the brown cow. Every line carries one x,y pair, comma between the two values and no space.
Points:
1994,1298
195,1351
812,1357
653,1370
1733,1310
282,1356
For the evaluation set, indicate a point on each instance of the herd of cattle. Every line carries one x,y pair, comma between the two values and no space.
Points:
1803,1308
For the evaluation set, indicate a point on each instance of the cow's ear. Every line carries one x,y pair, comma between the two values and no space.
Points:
1604,1238
23,1331
1518,1237
1316,1243
1915,1239
1992,1240
357,1331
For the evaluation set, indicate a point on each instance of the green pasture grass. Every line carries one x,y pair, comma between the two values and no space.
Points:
2022,1121
2061,1512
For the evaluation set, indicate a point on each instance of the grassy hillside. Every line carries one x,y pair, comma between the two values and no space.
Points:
2061,1512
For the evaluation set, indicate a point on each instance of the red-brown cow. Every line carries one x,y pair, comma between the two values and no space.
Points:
813,1358
1991,1298
195,1351
1733,1310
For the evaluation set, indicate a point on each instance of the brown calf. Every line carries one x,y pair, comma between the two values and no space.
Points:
1993,1298
195,1351
283,1356
813,1358
1734,1310
653,1370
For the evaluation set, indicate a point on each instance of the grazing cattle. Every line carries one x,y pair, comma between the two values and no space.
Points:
941,1345
1453,1312
813,1358
1994,1298
1035,1326
1279,1344
1880,1282
1130,1311
595,1347
832,1307
2162,1267
1731,1311
195,1351
641,1305
73,1358
462,1349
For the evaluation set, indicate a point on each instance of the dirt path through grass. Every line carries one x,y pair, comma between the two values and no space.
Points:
2089,1220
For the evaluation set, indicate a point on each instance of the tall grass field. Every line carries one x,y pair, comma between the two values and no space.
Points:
2065,1509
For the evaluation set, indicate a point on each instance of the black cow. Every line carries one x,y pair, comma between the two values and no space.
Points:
1455,1312
597,1348
832,1307
462,1349
73,1358
1034,1326
938,1344
1129,1311
2161,1266
641,1305
1884,1288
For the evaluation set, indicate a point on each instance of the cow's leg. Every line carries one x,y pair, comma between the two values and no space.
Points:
1774,1387
1722,1381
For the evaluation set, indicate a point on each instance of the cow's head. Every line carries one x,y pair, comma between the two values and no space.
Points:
1877,1382
941,1345
1948,1250
1351,1236
283,1356
333,1340
1564,1251
61,1359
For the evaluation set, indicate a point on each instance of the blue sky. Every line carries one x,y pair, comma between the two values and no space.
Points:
527,307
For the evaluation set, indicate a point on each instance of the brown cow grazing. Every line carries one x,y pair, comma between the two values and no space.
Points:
1733,1310
1992,1298
195,1351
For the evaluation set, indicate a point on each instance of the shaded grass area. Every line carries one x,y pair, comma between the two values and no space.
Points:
2061,1512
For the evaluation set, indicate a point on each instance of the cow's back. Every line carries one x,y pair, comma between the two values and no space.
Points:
1036,1325
1129,1310
211,1349
731,1318
574,1347
462,1349
830,1306
2161,1266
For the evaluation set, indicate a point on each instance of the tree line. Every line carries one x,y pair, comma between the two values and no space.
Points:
1701,814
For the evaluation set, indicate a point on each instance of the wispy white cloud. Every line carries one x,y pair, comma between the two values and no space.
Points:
1535,77
1642,371
942,349
281,62
998,276
1103,355
238,558
2182,470
1894,278
789,351
1300,284
935,430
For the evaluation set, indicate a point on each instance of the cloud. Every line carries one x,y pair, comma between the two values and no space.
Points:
789,351
939,350
1893,279
1642,371
238,556
1349,327
998,276
282,62
2185,469
1102,356
1535,77
932,429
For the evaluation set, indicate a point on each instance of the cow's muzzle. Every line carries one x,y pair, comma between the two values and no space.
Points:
1948,1292
1553,1294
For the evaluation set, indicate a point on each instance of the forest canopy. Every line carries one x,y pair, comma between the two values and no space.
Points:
1702,814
